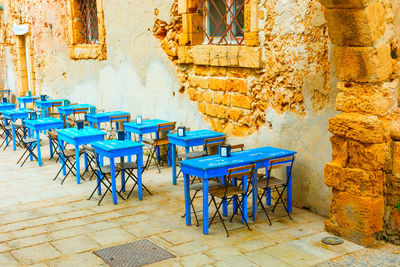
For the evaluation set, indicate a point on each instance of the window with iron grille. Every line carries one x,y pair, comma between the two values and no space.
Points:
90,26
224,22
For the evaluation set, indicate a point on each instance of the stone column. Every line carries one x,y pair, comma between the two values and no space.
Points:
366,99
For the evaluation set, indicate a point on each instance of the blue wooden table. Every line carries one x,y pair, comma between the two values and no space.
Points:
45,105
68,110
13,115
42,125
119,149
6,106
216,166
97,118
147,127
23,100
192,139
77,137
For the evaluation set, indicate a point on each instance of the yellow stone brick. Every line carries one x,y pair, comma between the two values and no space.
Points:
196,81
222,99
236,85
356,27
217,71
188,6
185,55
346,3
235,114
217,84
205,96
192,23
202,107
190,38
242,101
251,39
363,64
200,70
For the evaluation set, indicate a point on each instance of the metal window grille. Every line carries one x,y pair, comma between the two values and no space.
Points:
90,27
224,22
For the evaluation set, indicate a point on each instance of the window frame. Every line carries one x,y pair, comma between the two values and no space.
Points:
229,38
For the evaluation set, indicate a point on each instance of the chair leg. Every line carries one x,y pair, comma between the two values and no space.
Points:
280,194
219,214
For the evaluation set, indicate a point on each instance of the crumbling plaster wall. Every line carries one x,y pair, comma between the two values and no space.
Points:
139,77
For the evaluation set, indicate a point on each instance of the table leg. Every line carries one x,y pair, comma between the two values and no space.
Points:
6,124
62,159
39,153
158,150
139,160
128,137
13,133
254,195
225,203
30,134
140,138
289,190
98,177
51,148
173,155
113,181
244,202
62,117
78,165
122,175
85,158
186,184
205,206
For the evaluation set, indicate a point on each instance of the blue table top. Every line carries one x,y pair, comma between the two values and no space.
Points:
27,98
145,124
71,107
107,114
42,121
17,111
198,134
7,105
112,145
241,157
49,101
75,133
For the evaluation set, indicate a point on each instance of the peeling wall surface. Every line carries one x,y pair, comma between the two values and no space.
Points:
294,94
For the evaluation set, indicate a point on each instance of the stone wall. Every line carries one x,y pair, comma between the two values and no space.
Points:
365,45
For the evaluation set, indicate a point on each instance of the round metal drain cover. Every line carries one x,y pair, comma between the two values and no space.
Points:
332,240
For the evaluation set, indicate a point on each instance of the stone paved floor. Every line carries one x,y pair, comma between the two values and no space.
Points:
43,223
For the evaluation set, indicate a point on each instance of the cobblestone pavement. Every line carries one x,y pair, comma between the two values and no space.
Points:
43,223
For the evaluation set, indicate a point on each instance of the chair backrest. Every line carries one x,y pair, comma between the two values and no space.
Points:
56,104
89,151
280,163
237,147
237,173
80,110
192,155
52,135
120,119
211,144
164,128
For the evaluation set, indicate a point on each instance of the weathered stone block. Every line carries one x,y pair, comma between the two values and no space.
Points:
356,27
217,84
237,130
251,39
195,81
250,57
188,6
191,38
242,101
396,159
377,99
367,156
201,55
185,55
363,128
356,218
355,181
346,3
236,85
363,64
192,23
222,99
200,70
340,152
